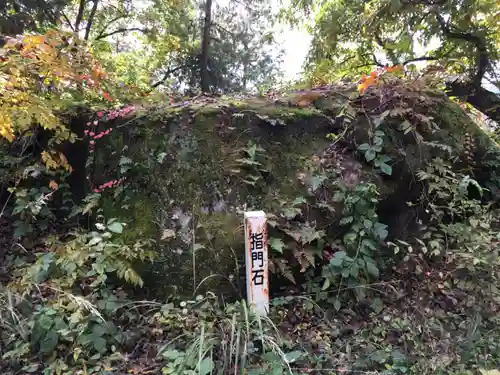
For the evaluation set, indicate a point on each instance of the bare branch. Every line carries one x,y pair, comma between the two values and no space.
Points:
67,20
91,20
79,16
168,73
121,31
378,63
222,28
422,58
111,22
382,44
482,59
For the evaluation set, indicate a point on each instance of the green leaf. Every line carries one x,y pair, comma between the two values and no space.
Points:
99,344
49,342
379,356
326,284
395,5
277,244
405,126
363,147
293,356
31,367
381,231
205,366
94,241
346,220
98,330
171,354
125,160
299,200
386,168
370,154
354,270
369,244
349,238
340,254
316,182
337,305
367,224
372,269
336,262
377,305
309,234
22,228
291,212
115,227
346,272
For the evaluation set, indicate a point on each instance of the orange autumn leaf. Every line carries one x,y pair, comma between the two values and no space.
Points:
394,68
107,96
366,82
53,185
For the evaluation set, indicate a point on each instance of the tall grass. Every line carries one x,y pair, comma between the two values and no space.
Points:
238,339
11,321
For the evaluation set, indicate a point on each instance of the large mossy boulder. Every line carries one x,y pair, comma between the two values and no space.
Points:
193,168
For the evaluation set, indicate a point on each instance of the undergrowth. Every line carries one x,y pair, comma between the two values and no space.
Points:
370,298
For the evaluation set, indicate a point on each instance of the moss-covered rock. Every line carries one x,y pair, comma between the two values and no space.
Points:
193,170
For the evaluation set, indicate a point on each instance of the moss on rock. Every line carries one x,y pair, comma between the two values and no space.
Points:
195,170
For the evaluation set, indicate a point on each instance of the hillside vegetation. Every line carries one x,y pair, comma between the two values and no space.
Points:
126,168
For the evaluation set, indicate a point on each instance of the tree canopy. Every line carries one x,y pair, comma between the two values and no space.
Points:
458,39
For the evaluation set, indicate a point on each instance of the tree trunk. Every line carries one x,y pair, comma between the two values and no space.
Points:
205,46
91,20
483,100
246,64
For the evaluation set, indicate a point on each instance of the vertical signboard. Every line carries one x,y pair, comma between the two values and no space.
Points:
256,261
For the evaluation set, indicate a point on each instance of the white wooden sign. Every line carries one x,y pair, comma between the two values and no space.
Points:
257,261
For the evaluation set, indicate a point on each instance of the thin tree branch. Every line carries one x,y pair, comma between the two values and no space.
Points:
422,58
378,63
79,16
91,20
168,73
67,21
121,31
109,24
382,44
482,58
222,28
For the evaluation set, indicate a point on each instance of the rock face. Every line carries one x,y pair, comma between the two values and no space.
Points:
193,169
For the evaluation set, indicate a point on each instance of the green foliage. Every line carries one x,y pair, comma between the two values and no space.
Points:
459,227
31,206
364,236
348,35
89,258
373,152
251,166
250,342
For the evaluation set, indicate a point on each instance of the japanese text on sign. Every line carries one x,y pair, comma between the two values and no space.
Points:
256,261
257,243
